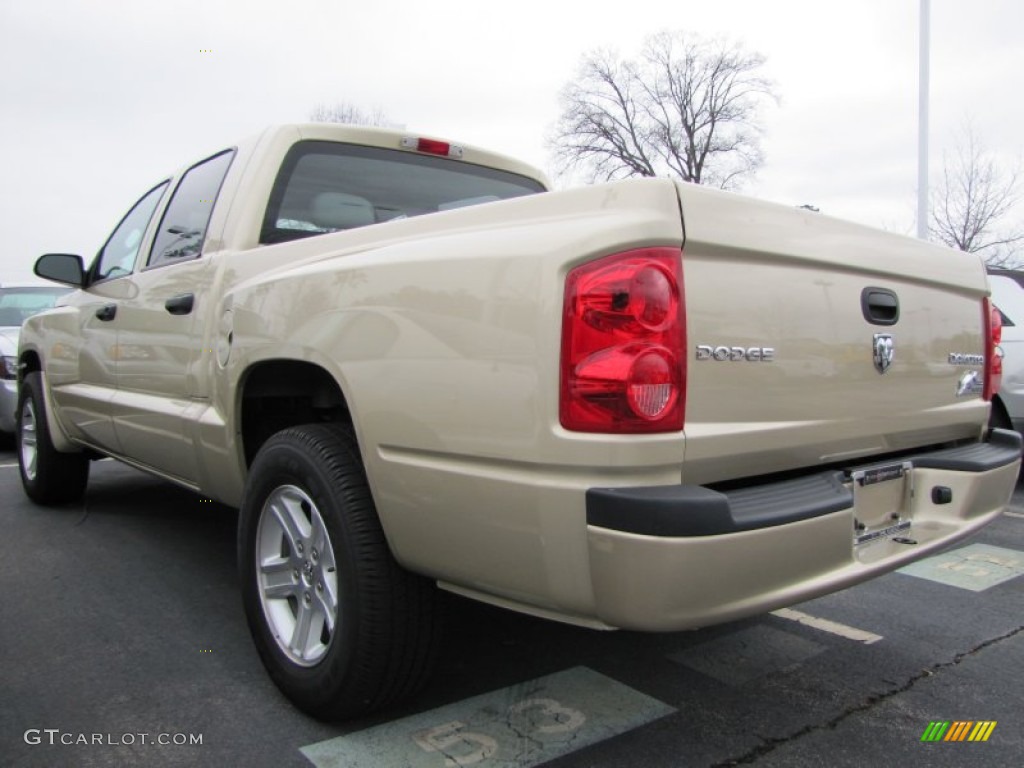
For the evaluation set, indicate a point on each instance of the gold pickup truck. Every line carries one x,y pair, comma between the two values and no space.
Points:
644,404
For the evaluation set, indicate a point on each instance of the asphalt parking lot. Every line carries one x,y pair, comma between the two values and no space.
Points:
123,643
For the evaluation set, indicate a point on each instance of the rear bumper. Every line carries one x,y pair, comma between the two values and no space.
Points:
675,557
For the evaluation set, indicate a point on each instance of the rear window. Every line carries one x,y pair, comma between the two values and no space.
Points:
326,187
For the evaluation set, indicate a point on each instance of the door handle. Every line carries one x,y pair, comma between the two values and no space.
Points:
181,304
107,312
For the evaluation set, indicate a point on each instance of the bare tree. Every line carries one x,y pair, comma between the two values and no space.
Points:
345,112
973,201
686,107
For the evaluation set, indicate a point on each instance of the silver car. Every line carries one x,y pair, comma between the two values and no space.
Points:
16,304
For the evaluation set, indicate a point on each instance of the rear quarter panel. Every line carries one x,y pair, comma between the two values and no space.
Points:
444,332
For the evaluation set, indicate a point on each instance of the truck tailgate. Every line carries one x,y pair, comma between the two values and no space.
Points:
787,311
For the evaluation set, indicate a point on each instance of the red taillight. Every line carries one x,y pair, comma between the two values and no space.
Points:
623,367
993,330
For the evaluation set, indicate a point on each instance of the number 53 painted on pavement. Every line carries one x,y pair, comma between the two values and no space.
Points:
528,718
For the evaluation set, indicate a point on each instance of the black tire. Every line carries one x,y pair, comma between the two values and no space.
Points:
47,475
387,622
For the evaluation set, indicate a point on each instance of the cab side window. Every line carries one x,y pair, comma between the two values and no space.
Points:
117,257
183,227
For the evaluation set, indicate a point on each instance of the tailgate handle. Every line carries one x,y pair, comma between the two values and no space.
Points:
880,306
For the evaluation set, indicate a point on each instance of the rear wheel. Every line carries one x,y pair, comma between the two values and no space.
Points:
47,475
340,626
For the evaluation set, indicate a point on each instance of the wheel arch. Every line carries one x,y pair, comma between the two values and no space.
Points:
999,416
279,393
48,474
30,362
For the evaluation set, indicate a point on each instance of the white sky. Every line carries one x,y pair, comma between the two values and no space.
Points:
99,99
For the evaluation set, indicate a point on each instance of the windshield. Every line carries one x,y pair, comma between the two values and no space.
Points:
17,304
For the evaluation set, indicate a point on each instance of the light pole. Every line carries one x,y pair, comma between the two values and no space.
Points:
922,125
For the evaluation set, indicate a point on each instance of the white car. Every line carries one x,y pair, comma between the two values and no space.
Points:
1008,296
16,304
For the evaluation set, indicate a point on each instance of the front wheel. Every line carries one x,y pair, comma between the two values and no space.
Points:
340,626
47,475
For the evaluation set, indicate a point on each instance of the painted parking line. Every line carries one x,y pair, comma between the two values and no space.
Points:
1008,513
9,464
520,726
976,567
825,625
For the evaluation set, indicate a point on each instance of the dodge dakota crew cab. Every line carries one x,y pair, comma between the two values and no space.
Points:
646,404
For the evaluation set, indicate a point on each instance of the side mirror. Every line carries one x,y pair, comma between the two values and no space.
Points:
66,268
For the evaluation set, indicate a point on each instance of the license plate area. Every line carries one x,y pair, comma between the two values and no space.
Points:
882,499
